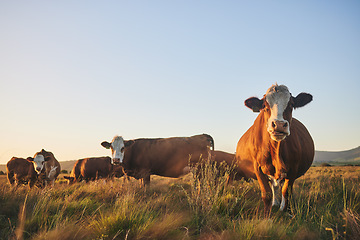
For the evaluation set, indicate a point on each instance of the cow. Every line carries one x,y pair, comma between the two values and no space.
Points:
167,157
227,160
90,169
21,171
277,149
45,162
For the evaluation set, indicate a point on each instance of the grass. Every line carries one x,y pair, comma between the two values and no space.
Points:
325,205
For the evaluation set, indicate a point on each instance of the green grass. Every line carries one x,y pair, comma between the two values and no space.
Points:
325,205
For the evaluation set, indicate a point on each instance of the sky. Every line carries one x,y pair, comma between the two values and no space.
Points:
76,73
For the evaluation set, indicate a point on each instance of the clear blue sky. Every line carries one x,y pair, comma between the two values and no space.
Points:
75,73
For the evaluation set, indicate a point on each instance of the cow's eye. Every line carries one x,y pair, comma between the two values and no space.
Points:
122,149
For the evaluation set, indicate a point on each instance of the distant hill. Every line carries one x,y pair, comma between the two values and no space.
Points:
338,158
67,165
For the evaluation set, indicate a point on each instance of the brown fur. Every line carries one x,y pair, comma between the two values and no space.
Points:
20,171
90,169
167,157
229,159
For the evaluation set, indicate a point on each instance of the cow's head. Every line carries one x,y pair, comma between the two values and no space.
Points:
117,146
39,160
70,180
277,105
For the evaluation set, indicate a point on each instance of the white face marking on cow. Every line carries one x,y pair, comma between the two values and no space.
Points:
38,162
278,98
117,150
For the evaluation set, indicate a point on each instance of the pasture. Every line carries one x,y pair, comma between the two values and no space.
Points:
325,205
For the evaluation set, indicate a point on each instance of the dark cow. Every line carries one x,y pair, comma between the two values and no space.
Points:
90,169
167,157
21,171
44,161
277,148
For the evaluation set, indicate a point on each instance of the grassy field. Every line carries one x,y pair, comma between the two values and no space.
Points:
325,205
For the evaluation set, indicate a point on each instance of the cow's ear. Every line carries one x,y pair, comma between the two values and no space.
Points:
106,145
302,99
30,159
254,104
128,143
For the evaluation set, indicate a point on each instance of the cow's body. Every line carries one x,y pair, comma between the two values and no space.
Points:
276,150
21,171
45,162
167,157
228,160
90,169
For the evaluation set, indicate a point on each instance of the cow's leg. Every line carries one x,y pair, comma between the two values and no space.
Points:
276,187
266,192
146,180
10,177
286,191
32,182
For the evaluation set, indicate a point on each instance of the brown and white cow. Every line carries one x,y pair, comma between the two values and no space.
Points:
167,157
21,171
90,169
277,148
46,162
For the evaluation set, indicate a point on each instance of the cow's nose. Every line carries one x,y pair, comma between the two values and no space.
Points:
38,169
279,125
116,160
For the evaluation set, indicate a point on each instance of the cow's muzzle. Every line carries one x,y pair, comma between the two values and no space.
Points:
279,130
116,161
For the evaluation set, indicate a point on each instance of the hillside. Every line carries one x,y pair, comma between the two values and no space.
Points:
338,158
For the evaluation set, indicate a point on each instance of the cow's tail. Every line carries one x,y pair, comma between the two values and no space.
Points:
211,142
210,146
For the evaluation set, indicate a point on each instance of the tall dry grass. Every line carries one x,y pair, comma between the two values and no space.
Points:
198,206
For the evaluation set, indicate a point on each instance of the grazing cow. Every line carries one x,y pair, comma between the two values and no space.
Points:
90,169
167,157
228,159
46,162
277,148
21,171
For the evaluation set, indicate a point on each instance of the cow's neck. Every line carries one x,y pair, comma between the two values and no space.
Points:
271,161
277,160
